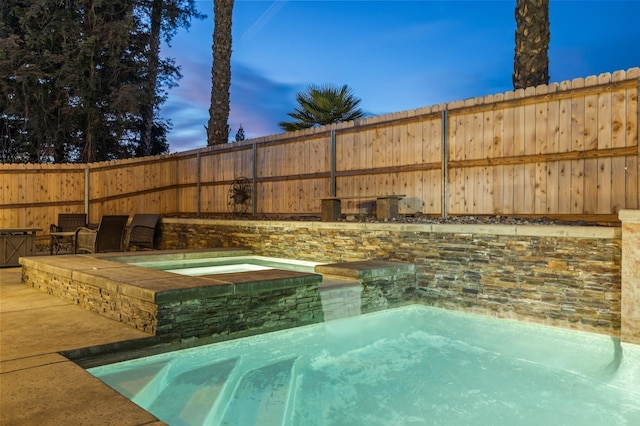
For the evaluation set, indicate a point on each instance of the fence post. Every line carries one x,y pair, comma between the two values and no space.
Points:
332,181
86,191
254,182
199,196
445,161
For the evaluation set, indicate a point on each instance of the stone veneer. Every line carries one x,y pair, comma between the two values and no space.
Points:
174,307
567,276
630,307
381,284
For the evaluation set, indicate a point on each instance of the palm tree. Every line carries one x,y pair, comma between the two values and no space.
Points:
218,128
321,105
531,60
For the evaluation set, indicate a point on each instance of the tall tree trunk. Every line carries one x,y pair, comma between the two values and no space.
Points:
218,128
148,107
89,148
89,152
531,60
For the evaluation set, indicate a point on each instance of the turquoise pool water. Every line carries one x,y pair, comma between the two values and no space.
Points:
408,366
225,265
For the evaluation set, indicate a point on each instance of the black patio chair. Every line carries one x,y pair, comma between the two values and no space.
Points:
142,230
62,233
107,238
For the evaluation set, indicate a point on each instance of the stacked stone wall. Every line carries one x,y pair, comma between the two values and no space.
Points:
179,314
565,276
138,313
238,315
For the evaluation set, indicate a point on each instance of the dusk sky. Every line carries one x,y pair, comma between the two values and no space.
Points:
394,55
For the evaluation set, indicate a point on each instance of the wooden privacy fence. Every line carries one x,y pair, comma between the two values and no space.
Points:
564,149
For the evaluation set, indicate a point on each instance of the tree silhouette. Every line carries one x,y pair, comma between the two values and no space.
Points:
240,134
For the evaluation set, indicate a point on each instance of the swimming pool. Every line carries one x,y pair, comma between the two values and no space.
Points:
410,365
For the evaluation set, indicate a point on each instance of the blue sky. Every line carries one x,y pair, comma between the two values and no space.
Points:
394,55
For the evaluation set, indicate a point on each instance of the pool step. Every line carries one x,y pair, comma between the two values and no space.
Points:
131,382
220,392
261,396
187,399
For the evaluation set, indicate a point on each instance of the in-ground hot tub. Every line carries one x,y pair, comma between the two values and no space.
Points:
173,306
260,295
221,265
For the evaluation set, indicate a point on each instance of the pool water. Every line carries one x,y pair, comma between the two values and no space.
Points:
226,265
414,365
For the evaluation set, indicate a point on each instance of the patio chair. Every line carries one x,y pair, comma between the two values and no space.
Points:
63,233
107,238
142,230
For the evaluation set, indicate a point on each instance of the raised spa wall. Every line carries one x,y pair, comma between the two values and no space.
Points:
580,277
175,308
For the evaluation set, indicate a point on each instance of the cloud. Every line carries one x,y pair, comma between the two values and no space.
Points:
187,106
257,103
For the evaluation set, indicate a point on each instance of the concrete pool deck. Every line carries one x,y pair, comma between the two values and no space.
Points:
39,386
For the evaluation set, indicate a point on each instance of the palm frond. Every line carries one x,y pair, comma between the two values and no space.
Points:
321,105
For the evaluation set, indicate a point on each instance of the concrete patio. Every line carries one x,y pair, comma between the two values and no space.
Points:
39,386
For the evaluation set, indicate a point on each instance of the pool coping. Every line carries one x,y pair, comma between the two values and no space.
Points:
107,271
561,231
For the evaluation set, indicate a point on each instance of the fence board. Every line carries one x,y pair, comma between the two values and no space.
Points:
632,170
491,134
564,145
528,203
552,146
369,154
421,185
406,156
604,189
28,196
508,147
497,146
412,152
477,173
433,178
590,186
632,133
457,175
520,149
469,172
591,119
541,147
348,151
